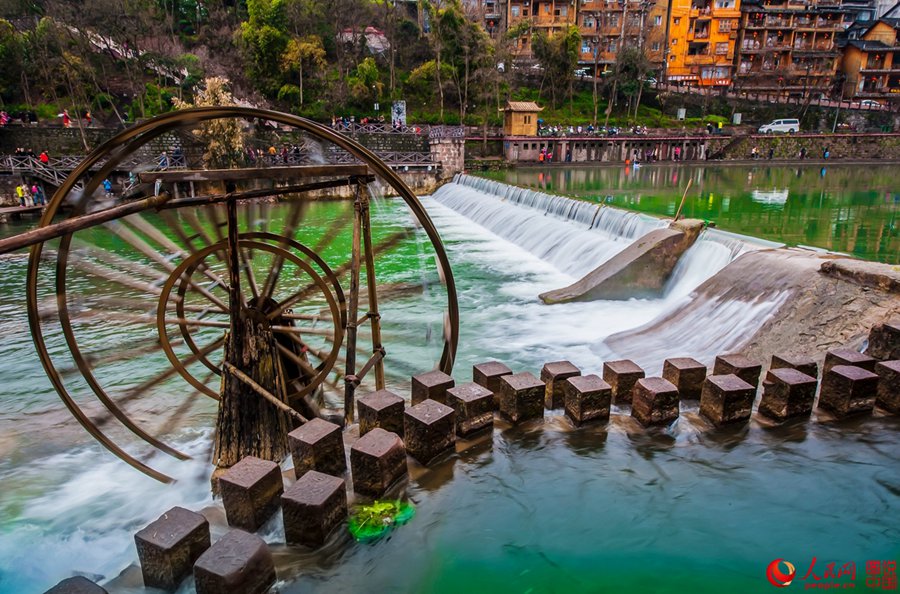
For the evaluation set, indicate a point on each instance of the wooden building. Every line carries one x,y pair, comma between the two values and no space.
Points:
520,118
871,64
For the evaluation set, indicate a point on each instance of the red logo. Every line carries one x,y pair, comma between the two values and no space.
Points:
777,577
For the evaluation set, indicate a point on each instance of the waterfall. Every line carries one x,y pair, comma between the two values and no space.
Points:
575,236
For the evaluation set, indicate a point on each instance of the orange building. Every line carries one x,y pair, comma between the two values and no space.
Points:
702,38
547,15
601,23
871,64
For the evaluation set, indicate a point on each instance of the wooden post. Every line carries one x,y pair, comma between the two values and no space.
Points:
373,314
353,309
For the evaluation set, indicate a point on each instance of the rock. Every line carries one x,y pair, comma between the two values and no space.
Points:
787,393
884,341
621,376
848,357
848,390
474,407
521,397
687,375
317,445
377,460
488,375
76,585
804,365
168,547
430,430
866,274
640,270
888,396
587,398
655,401
238,563
312,507
251,490
382,409
554,376
739,365
727,399
432,385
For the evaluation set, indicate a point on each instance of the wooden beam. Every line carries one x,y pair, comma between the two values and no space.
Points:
293,172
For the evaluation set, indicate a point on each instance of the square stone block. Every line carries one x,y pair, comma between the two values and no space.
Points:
848,390
430,430
621,377
587,398
474,406
888,396
488,375
317,445
848,357
432,385
251,490
521,397
884,341
238,563
687,375
554,376
380,409
76,585
739,365
377,460
655,401
787,393
312,507
727,399
804,365
168,547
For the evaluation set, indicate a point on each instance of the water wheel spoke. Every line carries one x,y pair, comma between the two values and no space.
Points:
328,334
183,409
82,249
155,234
115,276
119,352
294,217
247,267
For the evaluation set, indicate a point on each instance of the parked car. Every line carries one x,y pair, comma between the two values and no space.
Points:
582,72
789,126
869,103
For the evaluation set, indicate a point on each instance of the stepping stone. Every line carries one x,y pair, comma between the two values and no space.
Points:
727,399
804,365
168,547
739,365
380,409
848,357
430,430
621,377
312,507
76,585
888,395
251,491
787,393
318,445
432,385
687,375
521,397
554,376
587,399
377,460
655,401
474,407
848,390
884,341
238,563
488,375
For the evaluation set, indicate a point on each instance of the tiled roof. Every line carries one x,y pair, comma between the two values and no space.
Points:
522,106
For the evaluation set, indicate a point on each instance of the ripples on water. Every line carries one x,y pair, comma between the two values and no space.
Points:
534,508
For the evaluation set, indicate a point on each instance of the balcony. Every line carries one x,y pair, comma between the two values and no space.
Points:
703,34
699,59
892,70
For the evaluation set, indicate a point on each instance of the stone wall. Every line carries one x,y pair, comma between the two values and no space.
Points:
450,154
787,146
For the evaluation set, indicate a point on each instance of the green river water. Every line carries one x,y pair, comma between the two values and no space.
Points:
542,507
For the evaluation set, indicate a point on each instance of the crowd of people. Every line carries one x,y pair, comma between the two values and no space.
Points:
557,131
30,196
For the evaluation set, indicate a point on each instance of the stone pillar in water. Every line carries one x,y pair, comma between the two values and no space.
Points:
727,399
848,390
554,375
655,401
787,393
622,376
888,396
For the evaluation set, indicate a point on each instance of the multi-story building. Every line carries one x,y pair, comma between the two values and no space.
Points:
608,25
871,64
490,13
701,42
788,47
549,16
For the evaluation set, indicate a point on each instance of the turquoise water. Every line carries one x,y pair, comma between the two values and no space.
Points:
542,507
845,208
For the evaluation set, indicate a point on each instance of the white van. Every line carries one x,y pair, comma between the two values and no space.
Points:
790,126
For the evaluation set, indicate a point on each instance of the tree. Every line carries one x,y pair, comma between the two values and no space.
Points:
224,138
264,41
632,68
365,83
301,53
558,56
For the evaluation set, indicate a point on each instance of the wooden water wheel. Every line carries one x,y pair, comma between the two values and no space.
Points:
222,276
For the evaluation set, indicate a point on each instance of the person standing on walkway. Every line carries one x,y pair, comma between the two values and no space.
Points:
67,121
20,192
44,158
163,160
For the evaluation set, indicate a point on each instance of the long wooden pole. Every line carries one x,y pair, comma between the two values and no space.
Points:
373,313
353,310
683,197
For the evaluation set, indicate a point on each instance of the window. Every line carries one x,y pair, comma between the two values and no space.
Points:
614,20
721,48
585,47
527,119
724,26
514,10
655,46
612,46
677,20
674,41
657,21
589,22
524,12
